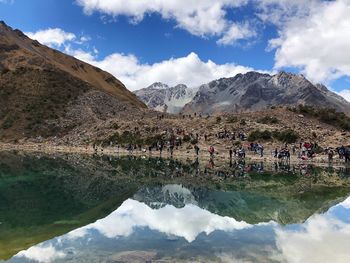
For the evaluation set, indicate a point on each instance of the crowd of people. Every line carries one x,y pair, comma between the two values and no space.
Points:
235,144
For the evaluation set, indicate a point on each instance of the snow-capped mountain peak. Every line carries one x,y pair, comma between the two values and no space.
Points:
163,98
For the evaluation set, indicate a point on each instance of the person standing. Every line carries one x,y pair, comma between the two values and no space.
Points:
196,149
231,153
211,151
172,146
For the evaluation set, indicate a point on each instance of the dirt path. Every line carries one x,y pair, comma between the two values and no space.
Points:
181,153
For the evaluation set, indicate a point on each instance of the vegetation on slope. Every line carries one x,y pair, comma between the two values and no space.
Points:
325,115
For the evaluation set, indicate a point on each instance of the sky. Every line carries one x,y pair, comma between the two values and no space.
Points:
193,42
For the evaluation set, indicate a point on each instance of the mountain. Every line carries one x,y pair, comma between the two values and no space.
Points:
163,98
44,92
252,205
254,91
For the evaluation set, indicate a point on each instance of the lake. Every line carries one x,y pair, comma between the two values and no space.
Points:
80,208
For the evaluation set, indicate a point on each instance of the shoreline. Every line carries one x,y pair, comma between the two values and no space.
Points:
45,148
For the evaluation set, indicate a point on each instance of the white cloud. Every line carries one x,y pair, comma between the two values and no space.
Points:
187,222
318,43
189,70
345,94
54,37
201,18
322,238
236,32
43,254
279,12
345,204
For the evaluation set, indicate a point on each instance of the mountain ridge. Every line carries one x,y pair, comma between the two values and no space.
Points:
254,91
161,97
47,93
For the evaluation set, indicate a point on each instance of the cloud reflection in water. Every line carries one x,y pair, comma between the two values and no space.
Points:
322,238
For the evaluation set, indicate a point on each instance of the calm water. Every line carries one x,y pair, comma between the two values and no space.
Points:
70,208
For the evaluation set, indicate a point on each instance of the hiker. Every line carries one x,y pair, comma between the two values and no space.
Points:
171,148
276,153
293,149
196,149
161,148
241,152
130,149
231,153
347,155
330,155
211,164
261,150
341,152
287,155
211,151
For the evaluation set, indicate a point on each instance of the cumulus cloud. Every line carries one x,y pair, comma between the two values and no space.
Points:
42,254
201,18
187,222
236,32
279,12
322,238
189,70
53,37
345,94
318,43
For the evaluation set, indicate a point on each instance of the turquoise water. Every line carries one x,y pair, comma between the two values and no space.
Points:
70,208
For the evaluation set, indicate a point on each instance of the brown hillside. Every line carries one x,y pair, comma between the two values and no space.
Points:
44,92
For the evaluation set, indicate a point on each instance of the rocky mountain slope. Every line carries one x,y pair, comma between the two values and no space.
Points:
163,98
254,91
44,92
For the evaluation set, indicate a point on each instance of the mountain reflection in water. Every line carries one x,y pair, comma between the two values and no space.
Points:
193,232
108,209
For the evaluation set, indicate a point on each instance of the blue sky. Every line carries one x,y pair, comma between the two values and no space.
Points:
193,42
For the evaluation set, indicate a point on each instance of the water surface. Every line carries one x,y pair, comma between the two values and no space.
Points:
71,208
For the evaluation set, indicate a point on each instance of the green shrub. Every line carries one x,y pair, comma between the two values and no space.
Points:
218,119
194,141
9,121
325,115
258,135
268,120
187,138
287,136
237,143
152,139
243,122
232,120
318,149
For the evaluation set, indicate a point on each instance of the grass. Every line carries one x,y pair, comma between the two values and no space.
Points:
133,138
286,136
232,120
325,115
9,121
268,120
